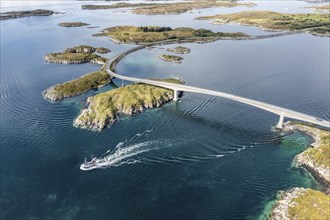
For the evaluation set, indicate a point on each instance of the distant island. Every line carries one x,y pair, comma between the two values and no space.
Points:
274,21
301,203
103,109
168,8
179,50
72,24
77,86
170,58
75,55
149,34
21,14
321,8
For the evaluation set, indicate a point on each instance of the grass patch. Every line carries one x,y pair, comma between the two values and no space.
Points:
78,86
70,58
274,20
310,204
103,108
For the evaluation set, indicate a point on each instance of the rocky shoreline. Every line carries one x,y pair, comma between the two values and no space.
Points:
305,203
77,55
77,86
320,172
170,58
301,203
103,109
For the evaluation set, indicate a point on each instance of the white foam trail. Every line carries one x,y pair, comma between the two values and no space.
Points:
122,153
119,156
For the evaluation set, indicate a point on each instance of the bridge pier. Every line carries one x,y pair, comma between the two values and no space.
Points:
176,95
122,83
280,122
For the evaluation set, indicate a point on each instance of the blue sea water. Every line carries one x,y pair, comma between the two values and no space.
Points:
200,158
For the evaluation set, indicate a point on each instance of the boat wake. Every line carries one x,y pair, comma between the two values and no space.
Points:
118,156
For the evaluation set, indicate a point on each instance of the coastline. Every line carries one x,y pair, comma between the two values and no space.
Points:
289,202
320,173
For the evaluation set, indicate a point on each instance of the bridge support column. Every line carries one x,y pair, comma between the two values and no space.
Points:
176,95
280,122
122,83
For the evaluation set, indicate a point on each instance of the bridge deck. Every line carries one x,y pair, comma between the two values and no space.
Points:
282,112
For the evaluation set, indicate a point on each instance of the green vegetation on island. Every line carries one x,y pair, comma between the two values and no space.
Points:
179,50
316,158
77,86
103,50
300,203
21,14
149,34
170,58
80,49
72,24
74,58
102,109
75,55
277,21
169,8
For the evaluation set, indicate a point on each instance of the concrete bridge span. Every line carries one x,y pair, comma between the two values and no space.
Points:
280,111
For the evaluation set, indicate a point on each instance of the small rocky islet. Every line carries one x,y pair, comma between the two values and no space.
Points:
77,86
72,24
76,55
179,50
21,14
103,109
170,58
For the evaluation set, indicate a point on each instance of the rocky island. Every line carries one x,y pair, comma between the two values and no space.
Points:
274,21
103,109
21,14
168,8
170,58
77,86
73,24
316,158
103,50
179,50
301,203
75,55
149,34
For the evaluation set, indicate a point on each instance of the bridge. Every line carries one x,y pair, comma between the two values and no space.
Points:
110,66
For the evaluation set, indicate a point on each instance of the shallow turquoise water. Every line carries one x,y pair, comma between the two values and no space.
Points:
199,158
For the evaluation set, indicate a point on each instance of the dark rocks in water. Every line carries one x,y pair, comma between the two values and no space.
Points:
21,14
